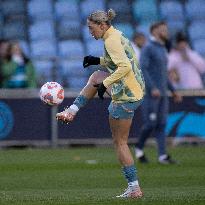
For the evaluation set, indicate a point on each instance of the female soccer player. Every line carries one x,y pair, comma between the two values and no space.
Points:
125,83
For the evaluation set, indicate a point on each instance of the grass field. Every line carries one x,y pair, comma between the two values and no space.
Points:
83,176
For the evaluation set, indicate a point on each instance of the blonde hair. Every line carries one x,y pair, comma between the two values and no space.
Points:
102,16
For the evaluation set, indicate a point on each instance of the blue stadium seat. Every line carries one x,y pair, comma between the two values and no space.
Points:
86,33
69,29
13,7
171,9
1,25
25,47
67,9
196,30
75,76
76,83
126,28
123,10
88,6
15,30
73,68
43,49
71,49
42,30
199,46
175,26
43,70
95,48
38,9
145,11
195,9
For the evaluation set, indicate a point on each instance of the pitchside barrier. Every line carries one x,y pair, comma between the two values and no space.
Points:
26,121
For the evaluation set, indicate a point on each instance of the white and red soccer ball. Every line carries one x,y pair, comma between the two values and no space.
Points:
52,93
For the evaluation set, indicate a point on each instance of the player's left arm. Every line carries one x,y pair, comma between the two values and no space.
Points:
119,57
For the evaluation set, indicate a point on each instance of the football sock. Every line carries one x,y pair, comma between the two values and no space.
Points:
130,173
79,102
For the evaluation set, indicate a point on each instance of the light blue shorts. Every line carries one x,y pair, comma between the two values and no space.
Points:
123,110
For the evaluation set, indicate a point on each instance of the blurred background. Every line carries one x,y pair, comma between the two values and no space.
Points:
54,36
46,40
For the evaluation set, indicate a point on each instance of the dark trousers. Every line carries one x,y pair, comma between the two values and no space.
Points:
154,116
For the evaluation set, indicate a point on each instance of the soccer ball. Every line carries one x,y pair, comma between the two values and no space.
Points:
52,93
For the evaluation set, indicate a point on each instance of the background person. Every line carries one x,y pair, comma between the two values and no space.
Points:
138,42
127,90
185,66
17,70
153,62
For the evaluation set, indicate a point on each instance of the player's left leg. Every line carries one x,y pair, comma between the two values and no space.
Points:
87,93
120,121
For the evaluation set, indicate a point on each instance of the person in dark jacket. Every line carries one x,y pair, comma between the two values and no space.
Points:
153,62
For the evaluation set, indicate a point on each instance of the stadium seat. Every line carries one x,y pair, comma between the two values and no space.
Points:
76,83
199,46
25,47
13,7
195,9
43,70
126,28
1,25
95,48
15,30
89,6
71,49
196,30
86,33
67,9
73,68
43,49
145,11
171,10
42,30
175,26
75,76
123,10
69,29
40,10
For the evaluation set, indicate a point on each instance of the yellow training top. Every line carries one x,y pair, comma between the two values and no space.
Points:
119,58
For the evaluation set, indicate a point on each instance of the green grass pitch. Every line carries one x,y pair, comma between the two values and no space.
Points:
83,176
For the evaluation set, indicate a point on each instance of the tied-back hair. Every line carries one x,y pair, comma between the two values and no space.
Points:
99,17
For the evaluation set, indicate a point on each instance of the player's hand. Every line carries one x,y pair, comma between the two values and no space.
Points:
90,60
101,90
155,93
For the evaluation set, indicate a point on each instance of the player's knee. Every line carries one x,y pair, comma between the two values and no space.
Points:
96,77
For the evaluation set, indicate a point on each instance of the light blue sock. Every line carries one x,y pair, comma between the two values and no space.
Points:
80,101
130,173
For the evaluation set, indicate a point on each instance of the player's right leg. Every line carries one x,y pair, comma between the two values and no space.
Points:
120,121
87,93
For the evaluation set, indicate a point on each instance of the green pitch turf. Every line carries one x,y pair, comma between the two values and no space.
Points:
84,176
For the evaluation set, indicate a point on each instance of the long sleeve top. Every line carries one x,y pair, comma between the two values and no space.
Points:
120,60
